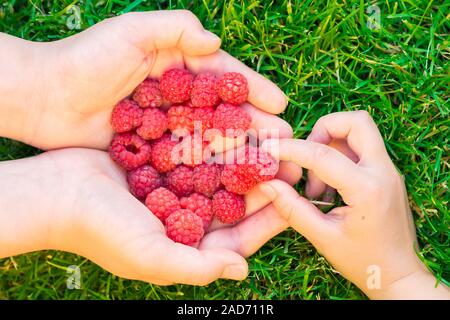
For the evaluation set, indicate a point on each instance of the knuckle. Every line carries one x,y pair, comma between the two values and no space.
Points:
374,188
364,116
288,132
322,121
188,16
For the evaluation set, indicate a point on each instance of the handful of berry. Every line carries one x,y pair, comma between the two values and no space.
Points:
163,134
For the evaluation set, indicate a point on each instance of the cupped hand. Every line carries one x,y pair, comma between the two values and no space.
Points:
85,75
93,214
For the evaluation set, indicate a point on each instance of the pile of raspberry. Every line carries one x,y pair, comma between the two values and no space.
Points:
181,186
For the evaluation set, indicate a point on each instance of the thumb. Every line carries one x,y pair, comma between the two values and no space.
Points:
157,30
301,214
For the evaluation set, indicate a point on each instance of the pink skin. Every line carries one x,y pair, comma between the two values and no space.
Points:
77,200
71,85
375,227
66,100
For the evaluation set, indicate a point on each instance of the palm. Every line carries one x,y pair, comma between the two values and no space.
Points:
119,233
99,67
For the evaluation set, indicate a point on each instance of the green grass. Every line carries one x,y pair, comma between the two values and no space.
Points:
325,58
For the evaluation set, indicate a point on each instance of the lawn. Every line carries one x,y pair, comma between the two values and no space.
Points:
326,58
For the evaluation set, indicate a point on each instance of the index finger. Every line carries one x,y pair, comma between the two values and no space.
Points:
357,127
263,93
331,166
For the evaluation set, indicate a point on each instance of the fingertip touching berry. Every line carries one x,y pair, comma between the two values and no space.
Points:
266,166
251,166
237,179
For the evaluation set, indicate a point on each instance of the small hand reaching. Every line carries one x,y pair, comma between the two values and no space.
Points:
373,233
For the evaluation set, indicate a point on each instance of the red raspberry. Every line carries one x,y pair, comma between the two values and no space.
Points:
251,167
231,120
162,202
147,94
262,164
164,180
236,178
204,92
203,119
126,116
200,205
233,88
228,207
180,117
154,123
161,155
193,150
179,181
176,85
143,180
185,227
206,178
129,150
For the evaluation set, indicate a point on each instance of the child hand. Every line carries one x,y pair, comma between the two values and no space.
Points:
77,81
77,200
371,240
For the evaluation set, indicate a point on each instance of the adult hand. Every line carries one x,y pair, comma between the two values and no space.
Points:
371,240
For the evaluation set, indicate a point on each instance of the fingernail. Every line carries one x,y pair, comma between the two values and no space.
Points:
235,272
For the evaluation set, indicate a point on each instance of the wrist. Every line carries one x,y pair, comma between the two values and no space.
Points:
418,285
28,205
24,86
